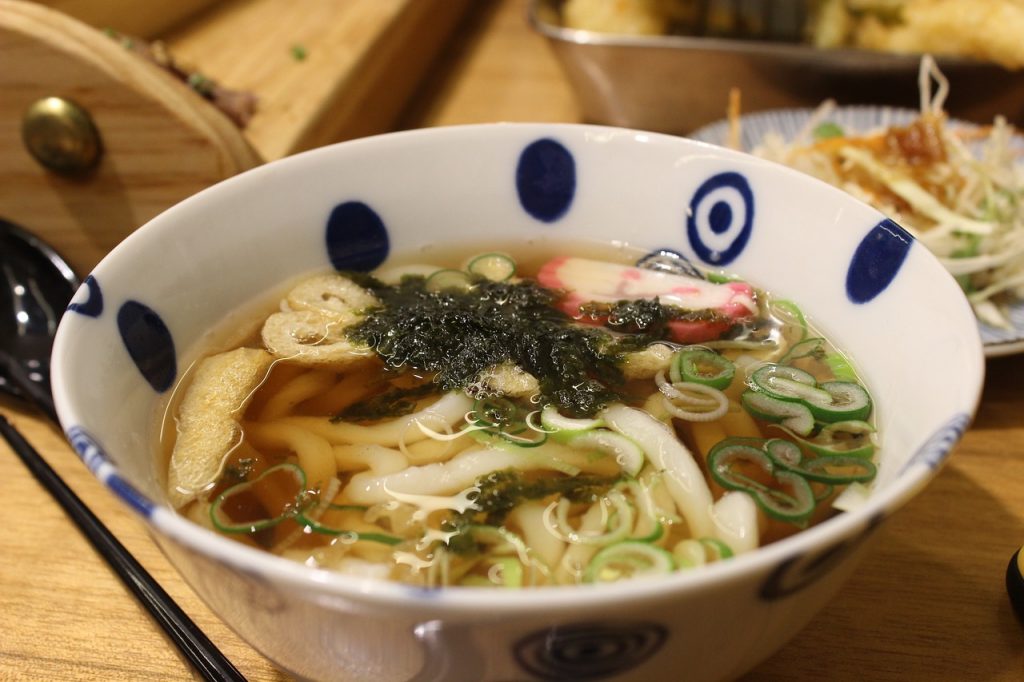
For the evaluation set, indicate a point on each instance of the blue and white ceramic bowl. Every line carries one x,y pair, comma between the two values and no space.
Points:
862,118
861,278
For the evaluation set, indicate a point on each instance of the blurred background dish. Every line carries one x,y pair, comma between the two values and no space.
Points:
641,77
788,124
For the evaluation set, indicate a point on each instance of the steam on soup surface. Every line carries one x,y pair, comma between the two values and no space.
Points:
519,424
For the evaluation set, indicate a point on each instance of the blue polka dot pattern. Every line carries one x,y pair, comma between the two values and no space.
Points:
89,451
803,570
149,343
588,651
720,218
546,180
941,443
92,306
100,465
127,492
356,237
877,260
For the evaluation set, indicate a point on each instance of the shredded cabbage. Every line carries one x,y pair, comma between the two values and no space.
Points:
958,188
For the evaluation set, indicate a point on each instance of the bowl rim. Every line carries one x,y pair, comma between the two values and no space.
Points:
467,602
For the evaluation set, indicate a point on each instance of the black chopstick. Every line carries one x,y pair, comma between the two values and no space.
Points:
196,646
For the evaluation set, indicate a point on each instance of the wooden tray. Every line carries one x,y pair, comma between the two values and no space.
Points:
162,141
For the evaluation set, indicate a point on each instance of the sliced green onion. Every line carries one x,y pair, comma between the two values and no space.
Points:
524,441
550,418
721,278
793,415
844,401
840,367
789,498
702,366
822,491
500,540
838,470
832,469
827,130
783,452
649,526
509,572
787,383
795,506
656,533
317,527
628,559
222,523
446,279
847,438
497,267
627,454
556,518
689,553
811,347
717,547
791,313
694,552
495,411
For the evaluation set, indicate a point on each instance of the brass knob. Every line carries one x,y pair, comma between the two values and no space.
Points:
61,136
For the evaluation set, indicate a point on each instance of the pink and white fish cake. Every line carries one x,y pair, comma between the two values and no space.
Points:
590,281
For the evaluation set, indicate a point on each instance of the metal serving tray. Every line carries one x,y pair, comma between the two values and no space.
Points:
676,84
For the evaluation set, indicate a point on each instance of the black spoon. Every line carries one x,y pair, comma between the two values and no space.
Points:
36,285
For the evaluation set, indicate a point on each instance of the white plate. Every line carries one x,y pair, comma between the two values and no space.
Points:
790,122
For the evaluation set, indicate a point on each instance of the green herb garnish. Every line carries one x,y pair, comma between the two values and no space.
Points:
458,333
827,130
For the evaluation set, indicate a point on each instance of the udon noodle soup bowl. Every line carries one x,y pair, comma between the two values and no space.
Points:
858,276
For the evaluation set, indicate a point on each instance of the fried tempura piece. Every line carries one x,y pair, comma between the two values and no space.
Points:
208,423
987,31
629,17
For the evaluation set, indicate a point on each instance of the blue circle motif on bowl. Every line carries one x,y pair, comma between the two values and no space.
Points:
802,570
96,460
588,651
935,450
92,306
720,218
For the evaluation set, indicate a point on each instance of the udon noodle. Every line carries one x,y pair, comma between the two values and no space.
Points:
504,424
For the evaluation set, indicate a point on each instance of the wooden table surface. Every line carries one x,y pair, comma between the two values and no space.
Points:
928,603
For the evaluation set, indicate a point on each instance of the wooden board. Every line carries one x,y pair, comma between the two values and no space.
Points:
148,19
161,141
364,59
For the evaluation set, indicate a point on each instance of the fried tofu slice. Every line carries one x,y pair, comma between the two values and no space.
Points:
334,296
208,423
311,339
310,330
